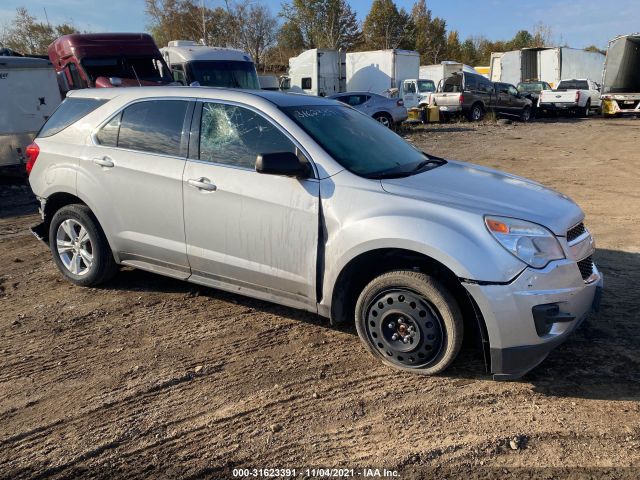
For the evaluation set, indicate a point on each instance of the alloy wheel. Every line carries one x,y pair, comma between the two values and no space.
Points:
74,247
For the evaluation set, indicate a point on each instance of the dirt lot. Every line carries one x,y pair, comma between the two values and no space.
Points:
152,377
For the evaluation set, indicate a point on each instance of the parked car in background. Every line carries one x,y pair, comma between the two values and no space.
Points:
388,111
91,60
579,97
532,89
509,101
29,94
621,79
473,95
302,201
191,62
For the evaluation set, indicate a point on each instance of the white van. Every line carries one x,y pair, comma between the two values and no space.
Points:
191,62
29,93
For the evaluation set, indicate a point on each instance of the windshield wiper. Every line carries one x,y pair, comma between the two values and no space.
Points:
400,171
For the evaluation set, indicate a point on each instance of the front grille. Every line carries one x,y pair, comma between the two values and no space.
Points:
586,267
575,232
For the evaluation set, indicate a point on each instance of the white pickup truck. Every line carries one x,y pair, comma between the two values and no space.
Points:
576,96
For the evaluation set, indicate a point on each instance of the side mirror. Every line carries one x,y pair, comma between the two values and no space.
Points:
63,83
282,163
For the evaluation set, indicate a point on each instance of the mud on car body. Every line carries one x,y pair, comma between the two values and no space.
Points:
308,203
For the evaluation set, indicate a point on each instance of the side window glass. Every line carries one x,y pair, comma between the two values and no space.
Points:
235,136
154,126
108,134
471,83
306,83
513,91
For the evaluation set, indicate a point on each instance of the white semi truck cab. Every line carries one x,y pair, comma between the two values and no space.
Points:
191,62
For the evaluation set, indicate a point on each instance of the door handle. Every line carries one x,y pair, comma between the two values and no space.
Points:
202,184
104,162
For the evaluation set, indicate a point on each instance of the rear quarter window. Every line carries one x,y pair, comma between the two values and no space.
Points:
69,112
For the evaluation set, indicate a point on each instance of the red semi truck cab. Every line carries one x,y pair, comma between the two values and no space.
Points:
107,60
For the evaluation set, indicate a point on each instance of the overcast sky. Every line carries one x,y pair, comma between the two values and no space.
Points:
578,23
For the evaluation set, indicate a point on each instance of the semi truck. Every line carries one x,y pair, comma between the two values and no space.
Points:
621,78
194,63
107,60
381,71
549,65
317,72
29,93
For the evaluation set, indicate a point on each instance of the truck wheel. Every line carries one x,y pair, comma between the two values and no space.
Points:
586,111
525,116
476,113
385,119
79,247
410,321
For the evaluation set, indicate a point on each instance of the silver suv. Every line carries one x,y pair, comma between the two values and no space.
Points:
309,203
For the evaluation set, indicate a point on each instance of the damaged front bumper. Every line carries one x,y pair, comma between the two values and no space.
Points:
535,313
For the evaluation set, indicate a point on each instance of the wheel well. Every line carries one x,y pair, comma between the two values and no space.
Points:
55,202
365,267
382,114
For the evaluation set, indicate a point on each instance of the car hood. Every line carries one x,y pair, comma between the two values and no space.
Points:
489,192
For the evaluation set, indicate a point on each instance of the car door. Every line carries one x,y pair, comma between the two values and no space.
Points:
516,102
132,176
246,231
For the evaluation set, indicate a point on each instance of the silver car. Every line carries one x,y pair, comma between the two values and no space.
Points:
305,202
388,111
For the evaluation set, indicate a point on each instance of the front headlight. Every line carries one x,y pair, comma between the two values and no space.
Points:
530,242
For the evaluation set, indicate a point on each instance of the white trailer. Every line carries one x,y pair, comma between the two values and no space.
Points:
545,64
318,72
381,71
191,62
443,70
29,93
621,77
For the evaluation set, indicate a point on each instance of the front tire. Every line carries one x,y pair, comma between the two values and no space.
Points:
410,321
525,116
79,247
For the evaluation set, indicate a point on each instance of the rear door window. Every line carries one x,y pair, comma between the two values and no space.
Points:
153,126
69,112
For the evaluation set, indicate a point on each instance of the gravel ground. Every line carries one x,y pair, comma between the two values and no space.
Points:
153,377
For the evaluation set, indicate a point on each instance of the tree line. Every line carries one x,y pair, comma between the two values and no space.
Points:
271,39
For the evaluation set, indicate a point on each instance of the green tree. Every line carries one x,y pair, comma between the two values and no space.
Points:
26,35
454,49
469,53
421,20
255,29
323,23
386,26
522,39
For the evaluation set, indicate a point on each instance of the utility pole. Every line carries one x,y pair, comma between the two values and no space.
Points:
204,26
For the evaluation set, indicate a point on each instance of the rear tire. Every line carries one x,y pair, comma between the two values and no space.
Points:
586,111
410,321
385,119
79,247
476,113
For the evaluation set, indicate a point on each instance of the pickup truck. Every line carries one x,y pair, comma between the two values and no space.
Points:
575,96
473,95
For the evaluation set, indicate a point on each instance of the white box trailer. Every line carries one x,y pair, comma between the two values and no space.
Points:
29,94
379,71
318,72
545,64
440,71
621,77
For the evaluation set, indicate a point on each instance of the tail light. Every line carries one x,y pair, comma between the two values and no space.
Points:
31,152
400,103
461,99
577,96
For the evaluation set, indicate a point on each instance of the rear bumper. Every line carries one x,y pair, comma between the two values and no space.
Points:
558,106
516,346
451,108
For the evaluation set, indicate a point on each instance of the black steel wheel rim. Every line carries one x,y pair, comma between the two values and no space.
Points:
404,328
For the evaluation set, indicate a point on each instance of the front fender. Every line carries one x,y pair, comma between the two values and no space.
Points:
468,250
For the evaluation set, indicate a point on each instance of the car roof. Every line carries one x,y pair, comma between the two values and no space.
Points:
245,96
356,93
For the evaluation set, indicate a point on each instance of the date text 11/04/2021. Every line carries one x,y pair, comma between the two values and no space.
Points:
314,472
